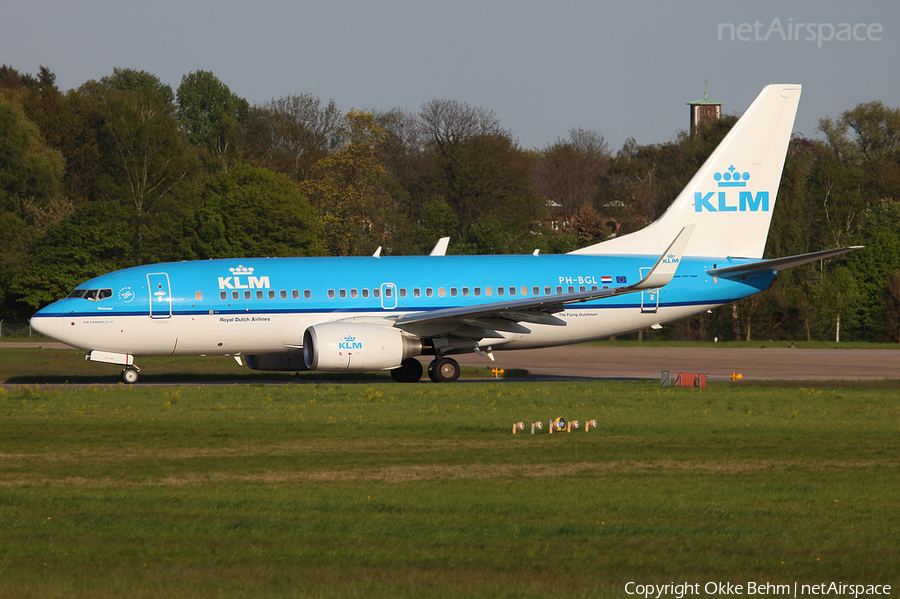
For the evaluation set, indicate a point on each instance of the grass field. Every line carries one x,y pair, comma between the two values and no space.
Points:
386,490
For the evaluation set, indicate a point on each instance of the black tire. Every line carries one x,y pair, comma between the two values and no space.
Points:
410,371
130,375
443,370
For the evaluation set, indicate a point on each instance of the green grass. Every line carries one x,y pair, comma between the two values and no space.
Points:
386,490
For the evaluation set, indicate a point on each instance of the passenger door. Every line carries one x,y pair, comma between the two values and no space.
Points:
160,295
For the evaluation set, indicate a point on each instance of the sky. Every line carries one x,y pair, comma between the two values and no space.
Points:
625,69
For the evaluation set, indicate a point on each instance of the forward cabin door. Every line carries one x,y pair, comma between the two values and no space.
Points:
160,295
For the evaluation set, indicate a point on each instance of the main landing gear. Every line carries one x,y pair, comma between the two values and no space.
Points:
130,375
441,370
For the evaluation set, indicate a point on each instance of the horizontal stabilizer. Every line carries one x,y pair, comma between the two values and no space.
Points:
741,270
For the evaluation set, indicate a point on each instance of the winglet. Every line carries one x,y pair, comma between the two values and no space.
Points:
664,269
440,248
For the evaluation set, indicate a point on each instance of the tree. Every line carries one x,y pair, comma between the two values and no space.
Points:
349,189
210,114
137,82
571,172
87,244
290,134
30,171
838,296
875,132
252,212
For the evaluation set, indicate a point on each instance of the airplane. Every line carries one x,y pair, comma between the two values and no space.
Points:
382,313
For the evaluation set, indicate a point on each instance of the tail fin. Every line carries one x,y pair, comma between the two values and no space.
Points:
731,198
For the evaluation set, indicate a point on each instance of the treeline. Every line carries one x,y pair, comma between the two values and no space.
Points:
125,171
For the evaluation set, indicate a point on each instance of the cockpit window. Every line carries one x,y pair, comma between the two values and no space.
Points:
94,295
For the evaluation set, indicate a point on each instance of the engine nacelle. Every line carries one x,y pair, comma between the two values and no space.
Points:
357,346
277,362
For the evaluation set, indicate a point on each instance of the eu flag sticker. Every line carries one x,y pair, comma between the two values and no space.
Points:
621,280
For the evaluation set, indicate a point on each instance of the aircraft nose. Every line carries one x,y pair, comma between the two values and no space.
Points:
48,326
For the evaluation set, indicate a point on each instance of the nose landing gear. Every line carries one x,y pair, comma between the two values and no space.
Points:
130,374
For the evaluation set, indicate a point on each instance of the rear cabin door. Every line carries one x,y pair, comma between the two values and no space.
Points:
160,295
649,297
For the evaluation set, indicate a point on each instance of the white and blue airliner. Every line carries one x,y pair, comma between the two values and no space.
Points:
381,313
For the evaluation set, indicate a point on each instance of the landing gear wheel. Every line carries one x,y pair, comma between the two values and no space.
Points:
410,371
130,375
443,370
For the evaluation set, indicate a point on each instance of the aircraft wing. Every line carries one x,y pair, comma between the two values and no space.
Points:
750,268
484,320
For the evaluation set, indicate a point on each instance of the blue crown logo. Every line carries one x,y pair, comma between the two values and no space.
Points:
732,178
349,338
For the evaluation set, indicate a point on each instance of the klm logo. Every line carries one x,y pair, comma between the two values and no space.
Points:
234,281
670,259
724,201
349,342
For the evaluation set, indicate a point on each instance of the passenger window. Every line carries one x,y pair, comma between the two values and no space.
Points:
247,294
331,294
429,291
376,292
547,290
512,290
417,292
453,291
259,294
571,289
365,293
198,296
307,294
271,294
353,293
465,291
235,295
582,288
559,290
388,292
535,290
403,292
593,288
442,292
489,291
223,295
342,293
295,294
283,294
500,291
477,291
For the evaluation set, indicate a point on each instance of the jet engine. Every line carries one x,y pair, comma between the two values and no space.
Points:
276,362
357,346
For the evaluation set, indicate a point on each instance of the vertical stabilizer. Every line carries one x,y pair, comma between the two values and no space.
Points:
732,197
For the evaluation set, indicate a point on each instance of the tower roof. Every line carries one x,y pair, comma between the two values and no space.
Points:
705,100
